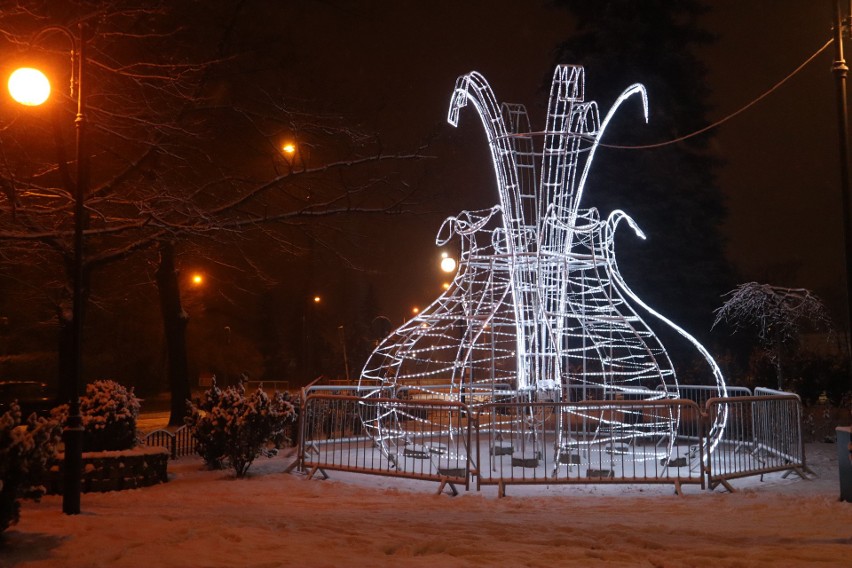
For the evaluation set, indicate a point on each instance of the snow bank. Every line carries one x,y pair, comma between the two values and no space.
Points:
271,518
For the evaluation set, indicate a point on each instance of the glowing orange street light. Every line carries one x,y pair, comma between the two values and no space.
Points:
28,86
197,279
289,148
317,299
415,310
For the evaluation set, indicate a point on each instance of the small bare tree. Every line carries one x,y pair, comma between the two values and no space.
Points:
776,314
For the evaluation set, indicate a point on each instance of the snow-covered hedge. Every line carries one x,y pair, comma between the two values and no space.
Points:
233,429
109,412
25,450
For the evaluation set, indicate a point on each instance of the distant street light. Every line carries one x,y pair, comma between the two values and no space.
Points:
197,279
310,331
288,149
448,263
31,87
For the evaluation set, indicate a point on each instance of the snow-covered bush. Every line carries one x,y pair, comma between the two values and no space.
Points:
109,413
233,429
25,450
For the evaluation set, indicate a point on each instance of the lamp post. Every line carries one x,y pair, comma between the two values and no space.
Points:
840,70
73,431
309,333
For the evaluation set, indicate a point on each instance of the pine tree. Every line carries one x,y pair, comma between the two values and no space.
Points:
670,190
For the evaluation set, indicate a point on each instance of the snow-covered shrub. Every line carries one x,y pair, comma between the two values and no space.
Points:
25,450
233,429
109,413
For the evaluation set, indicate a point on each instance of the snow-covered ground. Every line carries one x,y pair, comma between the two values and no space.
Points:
272,518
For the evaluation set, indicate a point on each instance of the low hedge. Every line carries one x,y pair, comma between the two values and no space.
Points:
114,470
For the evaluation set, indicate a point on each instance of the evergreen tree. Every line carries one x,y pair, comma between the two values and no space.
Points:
670,190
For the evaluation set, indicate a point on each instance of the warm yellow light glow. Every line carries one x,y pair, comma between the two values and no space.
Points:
415,310
288,148
317,299
197,279
29,86
448,263
445,285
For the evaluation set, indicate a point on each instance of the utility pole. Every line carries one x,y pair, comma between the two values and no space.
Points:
841,25
840,70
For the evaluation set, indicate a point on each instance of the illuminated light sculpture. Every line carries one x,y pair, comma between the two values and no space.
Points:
538,310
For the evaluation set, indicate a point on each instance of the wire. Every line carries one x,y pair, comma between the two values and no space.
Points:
730,116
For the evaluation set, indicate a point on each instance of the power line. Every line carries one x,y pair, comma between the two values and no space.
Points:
730,116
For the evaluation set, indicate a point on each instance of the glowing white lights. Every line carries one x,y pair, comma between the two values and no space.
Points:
448,263
537,309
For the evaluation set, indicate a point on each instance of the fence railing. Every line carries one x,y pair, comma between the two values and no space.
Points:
764,391
700,394
385,436
624,441
179,443
763,434
267,386
509,442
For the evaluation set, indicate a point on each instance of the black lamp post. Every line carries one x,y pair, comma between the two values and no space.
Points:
840,70
73,431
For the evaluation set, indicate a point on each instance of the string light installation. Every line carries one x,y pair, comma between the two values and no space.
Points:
537,310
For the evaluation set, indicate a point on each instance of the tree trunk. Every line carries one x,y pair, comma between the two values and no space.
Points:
175,321
779,366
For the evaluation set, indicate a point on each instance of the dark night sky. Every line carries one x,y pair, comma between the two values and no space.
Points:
781,179
394,64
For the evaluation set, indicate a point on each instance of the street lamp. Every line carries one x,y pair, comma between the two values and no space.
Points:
448,263
289,150
30,87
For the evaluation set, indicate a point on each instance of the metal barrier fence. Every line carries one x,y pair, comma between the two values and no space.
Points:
624,441
764,391
472,395
763,434
700,394
426,440
513,442
267,386
179,443
591,392
343,390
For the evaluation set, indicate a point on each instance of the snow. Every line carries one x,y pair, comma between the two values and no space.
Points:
272,518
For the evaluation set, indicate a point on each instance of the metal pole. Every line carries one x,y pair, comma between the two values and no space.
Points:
73,432
342,334
840,70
